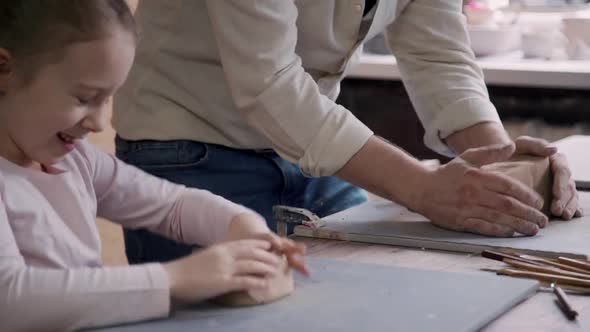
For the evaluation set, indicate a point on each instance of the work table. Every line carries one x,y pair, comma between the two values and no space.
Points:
538,313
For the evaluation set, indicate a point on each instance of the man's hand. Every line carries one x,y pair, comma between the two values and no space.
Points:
461,196
565,196
565,202
253,226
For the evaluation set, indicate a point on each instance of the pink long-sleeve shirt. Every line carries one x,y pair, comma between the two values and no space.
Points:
51,276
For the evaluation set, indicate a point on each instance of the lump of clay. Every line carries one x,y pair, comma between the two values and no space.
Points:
280,286
534,172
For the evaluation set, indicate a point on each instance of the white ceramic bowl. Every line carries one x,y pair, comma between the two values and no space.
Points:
541,44
494,40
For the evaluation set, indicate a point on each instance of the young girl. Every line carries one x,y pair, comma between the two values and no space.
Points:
60,62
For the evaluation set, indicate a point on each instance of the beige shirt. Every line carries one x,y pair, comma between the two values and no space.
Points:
265,74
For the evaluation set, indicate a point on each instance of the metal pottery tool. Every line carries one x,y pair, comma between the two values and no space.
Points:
288,215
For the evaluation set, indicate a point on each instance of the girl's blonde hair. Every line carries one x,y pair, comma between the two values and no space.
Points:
33,27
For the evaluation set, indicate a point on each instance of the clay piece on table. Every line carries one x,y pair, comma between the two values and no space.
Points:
280,286
534,172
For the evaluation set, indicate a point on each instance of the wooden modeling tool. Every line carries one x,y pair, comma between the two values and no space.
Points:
563,302
571,274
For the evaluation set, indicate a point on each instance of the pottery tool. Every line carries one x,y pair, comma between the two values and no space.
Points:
563,303
537,264
288,216
575,263
557,264
501,256
546,271
546,277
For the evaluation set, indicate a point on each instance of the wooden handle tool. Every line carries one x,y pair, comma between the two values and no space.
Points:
575,263
552,263
500,256
546,277
546,269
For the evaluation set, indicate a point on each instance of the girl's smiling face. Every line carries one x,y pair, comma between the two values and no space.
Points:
43,117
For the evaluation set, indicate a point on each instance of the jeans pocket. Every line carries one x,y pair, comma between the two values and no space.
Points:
154,156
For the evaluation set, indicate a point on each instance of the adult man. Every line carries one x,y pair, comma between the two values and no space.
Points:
237,97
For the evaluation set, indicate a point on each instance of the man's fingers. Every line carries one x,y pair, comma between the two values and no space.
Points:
560,203
559,163
497,217
479,226
505,185
488,154
571,208
564,187
562,195
512,207
534,146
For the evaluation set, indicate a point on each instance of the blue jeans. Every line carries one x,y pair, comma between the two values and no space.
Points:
256,179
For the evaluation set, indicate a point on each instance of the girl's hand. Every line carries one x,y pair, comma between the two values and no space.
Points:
222,268
253,226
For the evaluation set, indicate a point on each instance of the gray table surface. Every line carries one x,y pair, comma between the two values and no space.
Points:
344,296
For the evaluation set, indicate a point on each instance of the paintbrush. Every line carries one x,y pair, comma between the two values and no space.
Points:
500,256
545,277
545,269
584,265
567,267
545,285
533,260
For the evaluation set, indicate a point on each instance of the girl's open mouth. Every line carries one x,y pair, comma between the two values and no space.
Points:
67,141
66,138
